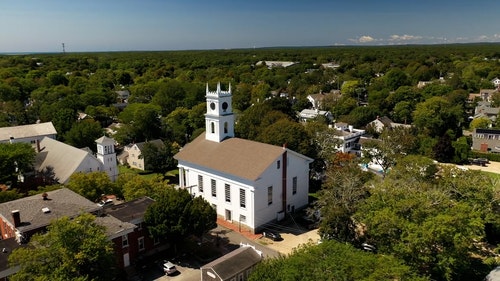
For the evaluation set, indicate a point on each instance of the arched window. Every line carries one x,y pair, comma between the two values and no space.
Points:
212,127
225,127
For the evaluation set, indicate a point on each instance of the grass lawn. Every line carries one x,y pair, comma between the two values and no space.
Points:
171,175
494,176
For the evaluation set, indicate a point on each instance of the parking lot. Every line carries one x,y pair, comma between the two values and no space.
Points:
227,240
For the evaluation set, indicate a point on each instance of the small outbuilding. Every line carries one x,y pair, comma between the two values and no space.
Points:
235,266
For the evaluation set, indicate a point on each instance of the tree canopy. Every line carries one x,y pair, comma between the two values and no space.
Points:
72,249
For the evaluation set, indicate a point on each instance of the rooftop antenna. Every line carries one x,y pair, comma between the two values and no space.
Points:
64,50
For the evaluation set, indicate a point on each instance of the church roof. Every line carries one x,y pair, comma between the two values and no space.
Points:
234,156
64,158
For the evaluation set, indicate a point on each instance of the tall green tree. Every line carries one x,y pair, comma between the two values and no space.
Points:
176,214
72,249
341,193
15,159
83,134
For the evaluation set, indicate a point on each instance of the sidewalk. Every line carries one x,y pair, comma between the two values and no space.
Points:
237,228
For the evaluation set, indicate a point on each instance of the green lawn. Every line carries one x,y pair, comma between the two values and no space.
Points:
147,175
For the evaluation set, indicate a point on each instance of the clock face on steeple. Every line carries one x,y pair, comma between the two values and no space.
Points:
212,105
224,106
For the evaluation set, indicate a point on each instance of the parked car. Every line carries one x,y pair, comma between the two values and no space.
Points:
272,235
169,268
104,203
369,248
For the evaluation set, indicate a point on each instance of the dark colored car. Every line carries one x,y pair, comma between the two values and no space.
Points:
272,235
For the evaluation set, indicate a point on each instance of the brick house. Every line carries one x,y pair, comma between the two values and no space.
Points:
21,218
136,244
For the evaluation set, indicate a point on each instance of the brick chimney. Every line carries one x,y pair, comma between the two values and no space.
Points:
16,217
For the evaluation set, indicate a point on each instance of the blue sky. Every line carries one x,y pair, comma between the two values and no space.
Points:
124,25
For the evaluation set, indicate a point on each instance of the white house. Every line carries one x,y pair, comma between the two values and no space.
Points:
349,138
311,114
31,133
247,182
66,160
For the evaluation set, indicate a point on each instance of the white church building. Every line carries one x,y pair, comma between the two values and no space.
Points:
66,160
247,182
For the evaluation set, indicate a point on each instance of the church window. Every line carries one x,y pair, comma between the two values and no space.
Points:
214,188
200,183
242,198
269,195
212,127
294,185
278,164
227,189
225,127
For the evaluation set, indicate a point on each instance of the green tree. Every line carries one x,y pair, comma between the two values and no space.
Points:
91,185
342,192
158,158
141,122
72,249
289,133
15,159
436,116
431,220
176,214
480,123
83,134
393,144
331,260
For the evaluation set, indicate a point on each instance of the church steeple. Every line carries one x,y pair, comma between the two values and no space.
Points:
219,118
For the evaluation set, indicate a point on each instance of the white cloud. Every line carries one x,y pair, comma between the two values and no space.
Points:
404,37
363,39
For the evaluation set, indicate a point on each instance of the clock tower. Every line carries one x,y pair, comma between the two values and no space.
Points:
219,119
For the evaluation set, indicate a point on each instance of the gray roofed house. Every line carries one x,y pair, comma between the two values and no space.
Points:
27,133
65,159
114,226
23,217
131,211
235,265
385,122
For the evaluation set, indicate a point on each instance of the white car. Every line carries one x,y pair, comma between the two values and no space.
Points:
169,268
104,203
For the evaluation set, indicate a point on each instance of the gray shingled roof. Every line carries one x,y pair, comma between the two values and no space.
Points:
65,159
114,227
158,143
234,156
61,202
234,262
131,210
27,131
